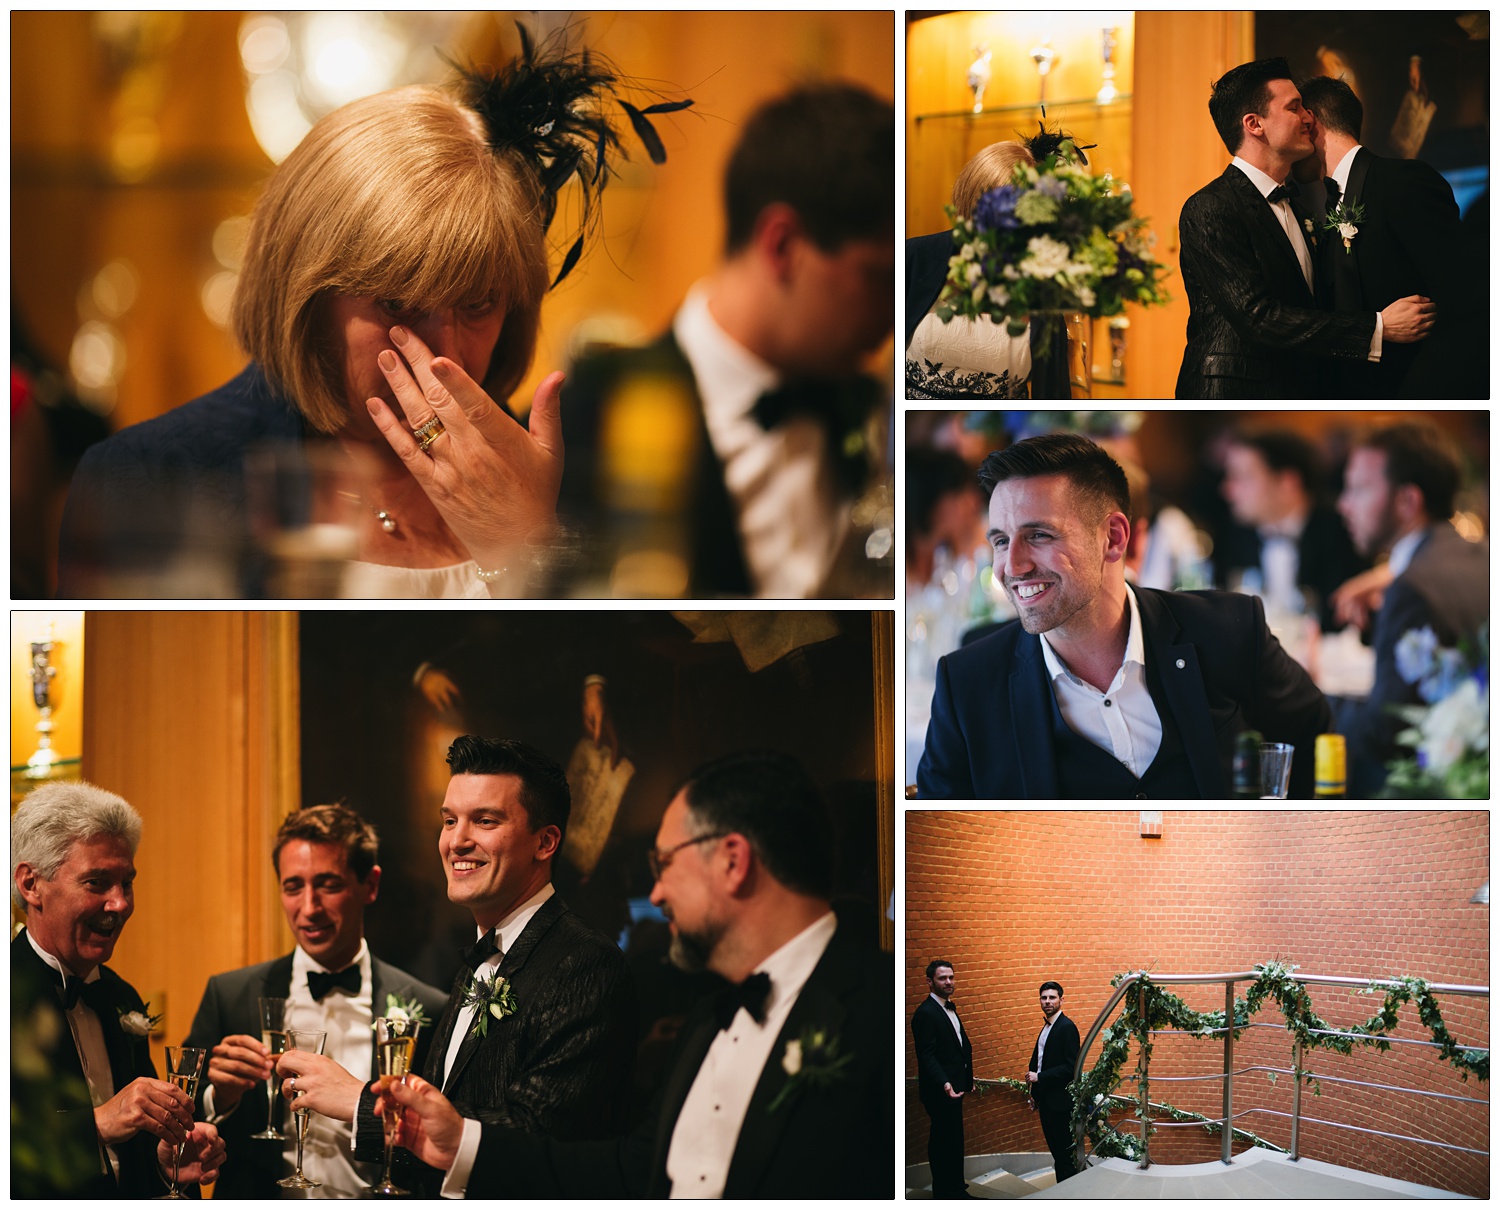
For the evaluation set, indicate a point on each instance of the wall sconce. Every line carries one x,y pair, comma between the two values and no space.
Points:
40,763
1044,57
1150,825
1107,91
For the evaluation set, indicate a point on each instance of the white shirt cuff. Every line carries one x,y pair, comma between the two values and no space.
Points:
1375,341
456,1183
209,1115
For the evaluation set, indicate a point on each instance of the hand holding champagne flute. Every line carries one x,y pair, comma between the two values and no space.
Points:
273,1015
396,1042
312,1040
184,1069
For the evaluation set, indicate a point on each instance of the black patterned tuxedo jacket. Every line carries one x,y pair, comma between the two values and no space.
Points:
1254,329
230,1005
827,1142
34,999
1410,241
560,1064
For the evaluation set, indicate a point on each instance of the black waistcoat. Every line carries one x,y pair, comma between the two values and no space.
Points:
1087,771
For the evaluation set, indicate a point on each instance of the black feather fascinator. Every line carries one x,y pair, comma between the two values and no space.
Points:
1046,142
552,107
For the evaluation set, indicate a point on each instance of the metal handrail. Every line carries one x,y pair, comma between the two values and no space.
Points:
1228,1030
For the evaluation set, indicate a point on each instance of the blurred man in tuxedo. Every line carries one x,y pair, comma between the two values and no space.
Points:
782,1084
555,1052
945,1072
1049,1073
325,861
73,875
1100,690
1398,497
1408,241
1273,481
766,352
1254,328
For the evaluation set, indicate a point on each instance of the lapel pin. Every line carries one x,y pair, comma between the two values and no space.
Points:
1182,663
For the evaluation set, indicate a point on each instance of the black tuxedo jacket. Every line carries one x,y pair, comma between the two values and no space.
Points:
34,995
561,1064
1222,670
1410,242
1326,557
927,259
707,513
229,1006
1254,330
1058,1060
824,1142
940,1058
1447,587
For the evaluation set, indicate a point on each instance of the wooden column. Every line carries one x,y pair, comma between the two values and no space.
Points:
883,645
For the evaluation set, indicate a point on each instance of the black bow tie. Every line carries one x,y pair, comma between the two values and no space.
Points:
320,983
72,989
751,995
481,951
841,405
1331,187
1287,191
951,1007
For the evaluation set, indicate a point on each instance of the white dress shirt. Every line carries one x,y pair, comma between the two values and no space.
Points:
1041,1044
507,932
88,1040
1404,550
790,514
1122,720
952,1015
708,1128
347,1021
1284,215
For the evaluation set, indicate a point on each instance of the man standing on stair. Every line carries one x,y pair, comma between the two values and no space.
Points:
945,1071
1050,1073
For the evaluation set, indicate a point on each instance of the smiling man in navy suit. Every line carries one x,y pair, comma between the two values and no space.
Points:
1100,690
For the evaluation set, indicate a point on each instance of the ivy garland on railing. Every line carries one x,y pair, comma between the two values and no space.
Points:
1094,1091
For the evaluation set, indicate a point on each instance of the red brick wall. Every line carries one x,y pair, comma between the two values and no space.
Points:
1013,898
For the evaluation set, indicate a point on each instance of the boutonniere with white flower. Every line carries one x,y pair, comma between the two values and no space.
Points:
811,1060
139,1022
1345,219
493,998
1312,237
402,1011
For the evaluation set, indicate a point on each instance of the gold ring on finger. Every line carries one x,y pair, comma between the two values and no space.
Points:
428,433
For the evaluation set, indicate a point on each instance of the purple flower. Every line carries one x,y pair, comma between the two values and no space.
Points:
1054,187
1415,652
997,209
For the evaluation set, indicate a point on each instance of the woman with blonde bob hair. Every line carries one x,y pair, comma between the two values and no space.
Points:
389,301
964,358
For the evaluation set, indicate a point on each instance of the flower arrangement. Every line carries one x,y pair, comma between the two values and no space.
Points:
1449,735
1055,239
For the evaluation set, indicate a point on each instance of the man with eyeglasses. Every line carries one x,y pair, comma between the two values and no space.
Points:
540,1030
783,1082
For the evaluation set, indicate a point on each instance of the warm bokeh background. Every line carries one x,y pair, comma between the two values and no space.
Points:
1013,898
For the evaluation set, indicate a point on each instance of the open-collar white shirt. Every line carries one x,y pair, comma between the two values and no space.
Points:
1122,720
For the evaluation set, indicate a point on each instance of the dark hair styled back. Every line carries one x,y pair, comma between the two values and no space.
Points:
544,786
1420,455
827,151
1092,471
1334,104
1241,90
933,966
768,798
931,475
1282,450
1048,984
332,823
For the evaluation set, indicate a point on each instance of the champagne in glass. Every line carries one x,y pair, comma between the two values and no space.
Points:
273,1021
184,1070
395,1043
312,1040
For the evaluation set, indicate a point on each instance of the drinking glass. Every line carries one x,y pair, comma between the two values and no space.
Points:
273,1011
184,1069
395,1043
1275,770
310,1040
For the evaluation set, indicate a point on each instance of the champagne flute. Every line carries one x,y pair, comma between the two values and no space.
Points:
273,1014
395,1043
310,1040
184,1069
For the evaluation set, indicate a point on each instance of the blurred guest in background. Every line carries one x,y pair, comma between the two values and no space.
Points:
944,512
1408,240
722,460
1399,489
964,358
389,301
1287,536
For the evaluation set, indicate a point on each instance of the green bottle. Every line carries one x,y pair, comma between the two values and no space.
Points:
1247,764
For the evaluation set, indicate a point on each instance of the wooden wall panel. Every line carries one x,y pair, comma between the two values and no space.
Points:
190,716
883,647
